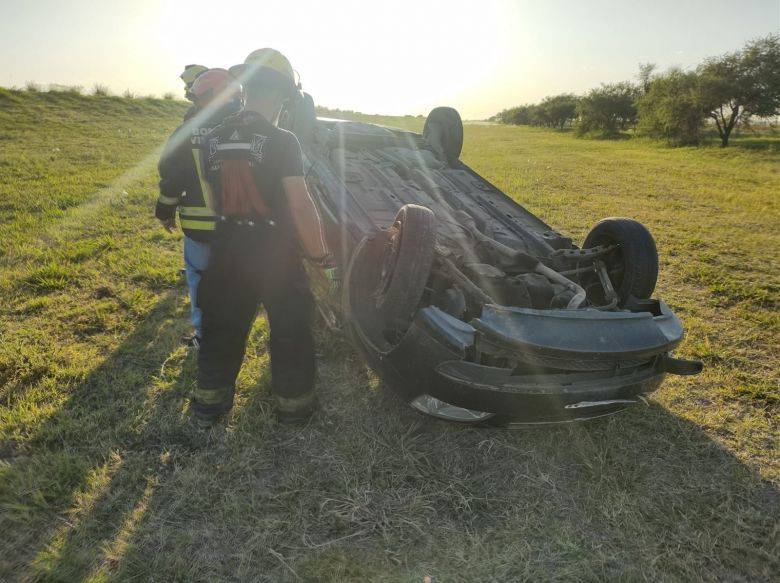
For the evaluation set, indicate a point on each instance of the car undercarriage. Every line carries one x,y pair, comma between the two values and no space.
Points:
467,305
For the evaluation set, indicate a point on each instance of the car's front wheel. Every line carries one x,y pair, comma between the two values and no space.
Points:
632,265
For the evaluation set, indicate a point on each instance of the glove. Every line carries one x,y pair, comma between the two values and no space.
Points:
333,275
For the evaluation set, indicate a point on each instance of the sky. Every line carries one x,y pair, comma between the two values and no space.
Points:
392,57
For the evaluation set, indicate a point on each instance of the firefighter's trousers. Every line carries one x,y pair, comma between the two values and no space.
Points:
250,266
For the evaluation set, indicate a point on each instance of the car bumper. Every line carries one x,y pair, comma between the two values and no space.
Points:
582,364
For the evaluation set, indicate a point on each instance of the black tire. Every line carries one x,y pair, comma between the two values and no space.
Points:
633,266
406,265
444,131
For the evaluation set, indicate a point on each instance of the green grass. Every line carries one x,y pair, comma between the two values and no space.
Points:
102,479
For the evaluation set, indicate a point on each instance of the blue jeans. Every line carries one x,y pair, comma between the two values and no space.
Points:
196,258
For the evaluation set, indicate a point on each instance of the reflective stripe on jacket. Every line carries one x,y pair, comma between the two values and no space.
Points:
182,183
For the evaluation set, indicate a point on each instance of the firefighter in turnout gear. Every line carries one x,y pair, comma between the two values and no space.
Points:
188,76
216,94
267,220
190,73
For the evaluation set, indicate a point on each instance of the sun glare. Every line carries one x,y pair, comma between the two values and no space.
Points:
395,58
402,57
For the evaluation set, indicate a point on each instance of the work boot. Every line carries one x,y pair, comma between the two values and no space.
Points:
191,340
207,406
296,410
203,421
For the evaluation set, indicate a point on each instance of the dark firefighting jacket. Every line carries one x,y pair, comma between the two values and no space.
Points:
182,180
245,159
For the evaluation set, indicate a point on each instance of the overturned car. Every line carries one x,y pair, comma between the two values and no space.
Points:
467,305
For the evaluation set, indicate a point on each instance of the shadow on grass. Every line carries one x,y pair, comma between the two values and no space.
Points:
605,136
768,144
371,488
82,470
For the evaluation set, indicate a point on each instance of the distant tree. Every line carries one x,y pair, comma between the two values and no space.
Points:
672,108
645,75
558,110
608,109
538,115
520,115
524,115
503,116
528,115
739,85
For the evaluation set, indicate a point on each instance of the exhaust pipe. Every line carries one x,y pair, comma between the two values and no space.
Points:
681,366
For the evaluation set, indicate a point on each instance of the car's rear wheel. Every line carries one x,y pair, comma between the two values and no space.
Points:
443,130
632,265
405,265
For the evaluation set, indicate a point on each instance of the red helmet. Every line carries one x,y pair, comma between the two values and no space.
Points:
215,84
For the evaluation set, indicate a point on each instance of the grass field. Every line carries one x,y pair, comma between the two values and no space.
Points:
102,478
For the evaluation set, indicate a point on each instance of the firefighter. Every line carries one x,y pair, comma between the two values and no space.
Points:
188,76
190,73
267,220
215,94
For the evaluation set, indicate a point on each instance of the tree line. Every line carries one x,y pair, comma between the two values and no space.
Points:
674,105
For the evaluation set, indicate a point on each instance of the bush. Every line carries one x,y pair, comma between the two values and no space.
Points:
32,87
128,94
99,89
609,109
672,109
169,96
